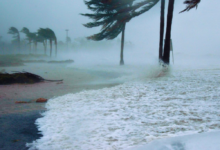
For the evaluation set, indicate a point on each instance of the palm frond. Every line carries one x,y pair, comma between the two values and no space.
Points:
190,4
13,30
145,6
25,30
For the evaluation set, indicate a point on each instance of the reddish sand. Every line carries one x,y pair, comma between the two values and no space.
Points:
74,80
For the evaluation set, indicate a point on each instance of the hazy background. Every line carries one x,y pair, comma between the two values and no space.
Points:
194,32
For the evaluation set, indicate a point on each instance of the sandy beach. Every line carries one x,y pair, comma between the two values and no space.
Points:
17,120
74,80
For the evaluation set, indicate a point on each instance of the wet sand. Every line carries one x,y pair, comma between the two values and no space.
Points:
18,129
17,120
74,80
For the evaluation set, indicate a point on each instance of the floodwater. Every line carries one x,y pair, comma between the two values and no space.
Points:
150,103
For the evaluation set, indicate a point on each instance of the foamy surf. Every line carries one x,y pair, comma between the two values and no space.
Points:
202,141
133,113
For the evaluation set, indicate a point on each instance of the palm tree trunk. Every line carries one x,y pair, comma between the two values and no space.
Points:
122,45
161,30
56,46
33,47
29,45
46,46
36,48
166,54
44,43
19,42
50,47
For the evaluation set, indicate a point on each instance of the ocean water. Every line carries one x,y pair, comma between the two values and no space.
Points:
151,104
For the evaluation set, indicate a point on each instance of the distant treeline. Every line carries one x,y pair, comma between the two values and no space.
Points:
76,44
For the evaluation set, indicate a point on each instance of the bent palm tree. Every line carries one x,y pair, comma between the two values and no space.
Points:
48,34
14,31
113,15
52,37
43,34
28,36
31,37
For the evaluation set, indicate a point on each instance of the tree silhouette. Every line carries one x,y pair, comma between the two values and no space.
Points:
39,39
31,37
48,34
42,33
52,37
106,15
113,16
16,36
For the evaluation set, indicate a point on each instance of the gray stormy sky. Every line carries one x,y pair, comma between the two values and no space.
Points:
197,30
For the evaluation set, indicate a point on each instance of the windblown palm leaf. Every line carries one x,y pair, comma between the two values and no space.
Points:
111,10
190,4
110,14
25,30
13,30
30,36
144,6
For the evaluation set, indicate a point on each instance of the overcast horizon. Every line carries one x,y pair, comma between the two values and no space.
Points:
194,30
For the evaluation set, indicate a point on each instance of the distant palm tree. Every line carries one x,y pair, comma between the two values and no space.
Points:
42,33
48,34
37,38
28,36
31,37
14,31
52,37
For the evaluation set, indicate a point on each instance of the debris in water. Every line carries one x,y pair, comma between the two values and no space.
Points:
22,77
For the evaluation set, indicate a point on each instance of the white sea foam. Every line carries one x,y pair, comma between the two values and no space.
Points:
203,141
160,105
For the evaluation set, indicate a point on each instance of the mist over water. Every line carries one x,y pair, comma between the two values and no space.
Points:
147,102
150,103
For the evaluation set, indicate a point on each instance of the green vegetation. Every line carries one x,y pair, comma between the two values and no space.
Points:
113,20
48,34
113,15
30,37
16,36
